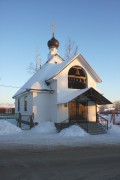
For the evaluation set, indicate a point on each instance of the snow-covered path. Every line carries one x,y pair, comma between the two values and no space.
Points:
45,135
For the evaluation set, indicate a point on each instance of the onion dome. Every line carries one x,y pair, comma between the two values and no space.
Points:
53,43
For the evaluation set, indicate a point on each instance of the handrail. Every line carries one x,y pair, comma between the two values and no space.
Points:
65,120
8,116
28,120
101,120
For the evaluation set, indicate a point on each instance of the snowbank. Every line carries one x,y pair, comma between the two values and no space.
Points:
7,128
114,129
49,127
44,135
44,127
73,131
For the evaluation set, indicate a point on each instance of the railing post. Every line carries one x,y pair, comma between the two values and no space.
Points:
87,126
19,120
107,125
104,120
31,122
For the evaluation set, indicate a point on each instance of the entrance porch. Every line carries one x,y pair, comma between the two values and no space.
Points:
82,110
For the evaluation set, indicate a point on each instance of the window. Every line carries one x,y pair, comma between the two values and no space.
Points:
18,104
76,78
8,111
25,103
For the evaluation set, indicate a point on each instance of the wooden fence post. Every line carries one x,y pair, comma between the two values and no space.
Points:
31,122
19,120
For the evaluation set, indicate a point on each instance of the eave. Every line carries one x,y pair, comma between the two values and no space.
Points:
33,90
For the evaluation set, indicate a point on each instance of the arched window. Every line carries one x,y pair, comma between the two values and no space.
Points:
76,78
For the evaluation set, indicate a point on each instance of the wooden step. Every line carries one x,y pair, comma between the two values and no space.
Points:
93,128
89,127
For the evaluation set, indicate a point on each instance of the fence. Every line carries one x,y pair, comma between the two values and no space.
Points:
25,119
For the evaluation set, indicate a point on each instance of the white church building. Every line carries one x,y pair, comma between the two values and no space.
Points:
61,91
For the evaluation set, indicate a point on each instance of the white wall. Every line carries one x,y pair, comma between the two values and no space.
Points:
41,106
16,105
62,113
53,101
55,59
91,111
29,104
91,82
62,77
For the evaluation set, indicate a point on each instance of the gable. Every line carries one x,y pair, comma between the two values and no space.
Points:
65,64
55,59
89,69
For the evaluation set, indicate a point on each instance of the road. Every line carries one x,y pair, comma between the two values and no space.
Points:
83,163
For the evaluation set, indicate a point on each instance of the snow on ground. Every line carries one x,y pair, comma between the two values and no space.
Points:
46,135
7,128
72,131
44,127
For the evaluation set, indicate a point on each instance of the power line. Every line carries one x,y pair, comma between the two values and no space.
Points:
8,86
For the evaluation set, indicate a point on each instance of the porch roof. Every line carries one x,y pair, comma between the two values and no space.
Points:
90,93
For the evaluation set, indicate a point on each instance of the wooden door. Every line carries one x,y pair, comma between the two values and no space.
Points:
83,111
78,111
72,111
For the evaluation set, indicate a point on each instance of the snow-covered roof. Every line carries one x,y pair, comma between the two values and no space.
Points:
49,71
69,95
37,81
90,93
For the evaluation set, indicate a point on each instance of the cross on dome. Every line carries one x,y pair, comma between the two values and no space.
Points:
53,29
53,43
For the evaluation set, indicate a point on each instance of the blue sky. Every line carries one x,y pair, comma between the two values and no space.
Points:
25,25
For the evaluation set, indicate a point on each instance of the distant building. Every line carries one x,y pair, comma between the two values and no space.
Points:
7,109
61,91
110,111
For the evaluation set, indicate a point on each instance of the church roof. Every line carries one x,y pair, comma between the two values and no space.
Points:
37,81
49,71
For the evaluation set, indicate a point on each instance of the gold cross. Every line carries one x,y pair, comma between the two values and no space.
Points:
53,29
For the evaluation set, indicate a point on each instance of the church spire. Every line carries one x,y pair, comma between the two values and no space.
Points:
53,29
53,44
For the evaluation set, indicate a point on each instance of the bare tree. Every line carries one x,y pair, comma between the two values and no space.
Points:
31,68
71,50
35,66
117,105
102,108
